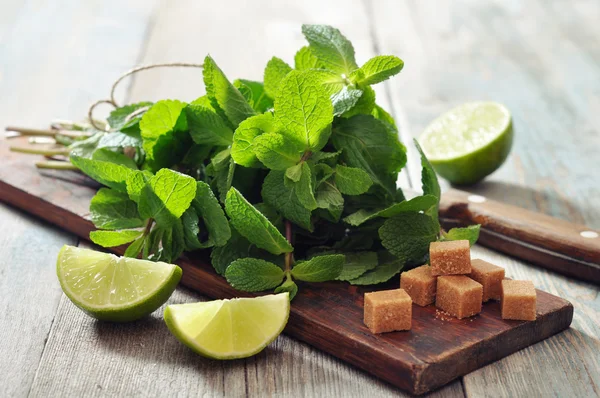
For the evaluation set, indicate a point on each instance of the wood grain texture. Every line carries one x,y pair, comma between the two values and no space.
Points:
470,50
329,316
48,51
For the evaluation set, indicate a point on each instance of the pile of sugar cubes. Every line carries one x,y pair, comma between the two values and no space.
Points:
455,283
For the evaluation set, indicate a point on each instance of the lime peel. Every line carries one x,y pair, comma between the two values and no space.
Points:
229,329
113,288
469,142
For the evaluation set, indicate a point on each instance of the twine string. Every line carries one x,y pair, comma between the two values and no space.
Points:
130,72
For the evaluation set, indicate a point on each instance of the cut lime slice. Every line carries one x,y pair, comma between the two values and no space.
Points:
229,329
114,288
469,142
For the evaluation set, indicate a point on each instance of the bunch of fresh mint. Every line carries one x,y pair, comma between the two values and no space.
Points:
289,179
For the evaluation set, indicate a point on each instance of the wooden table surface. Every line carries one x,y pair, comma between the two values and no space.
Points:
540,58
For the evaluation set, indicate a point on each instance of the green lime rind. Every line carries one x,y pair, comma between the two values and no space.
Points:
206,348
126,312
467,143
475,166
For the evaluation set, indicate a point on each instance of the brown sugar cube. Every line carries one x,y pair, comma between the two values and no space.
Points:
450,258
388,310
459,295
490,276
419,284
518,300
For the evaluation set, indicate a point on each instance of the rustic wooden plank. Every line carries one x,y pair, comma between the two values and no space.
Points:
48,51
461,51
29,295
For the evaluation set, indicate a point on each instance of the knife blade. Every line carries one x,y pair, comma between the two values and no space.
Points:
568,248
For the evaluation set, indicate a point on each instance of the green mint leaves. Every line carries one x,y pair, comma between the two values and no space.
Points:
253,274
470,233
331,48
320,268
303,111
253,225
265,175
166,196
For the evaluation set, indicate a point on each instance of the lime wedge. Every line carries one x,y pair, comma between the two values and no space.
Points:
229,329
469,142
114,288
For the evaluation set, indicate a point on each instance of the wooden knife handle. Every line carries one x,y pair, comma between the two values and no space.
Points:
568,248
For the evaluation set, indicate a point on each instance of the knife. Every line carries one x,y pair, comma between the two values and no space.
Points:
568,248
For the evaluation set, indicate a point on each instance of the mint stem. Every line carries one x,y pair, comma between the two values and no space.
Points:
40,151
56,165
289,237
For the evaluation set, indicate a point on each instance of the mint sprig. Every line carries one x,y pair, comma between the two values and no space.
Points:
265,175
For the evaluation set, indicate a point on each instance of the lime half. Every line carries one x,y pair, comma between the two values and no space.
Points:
114,288
469,142
229,329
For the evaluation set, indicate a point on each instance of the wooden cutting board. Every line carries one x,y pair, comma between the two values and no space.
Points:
328,315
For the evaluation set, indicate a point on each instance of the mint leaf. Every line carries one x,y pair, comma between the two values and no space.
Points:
253,225
135,182
470,233
106,155
429,179
382,273
345,100
110,174
303,187
364,105
277,151
207,206
332,49
166,196
236,247
367,143
253,274
117,139
408,235
126,117
357,264
381,114
164,132
223,169
305,59
207,127
352,180
322,172
329,198
110,209
224,97
172,242
275,72
288,286
134,249
294,173
416,204
378,69
85,148
303,110
283,198
191,229
114,238
320,268
242,150
255,94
